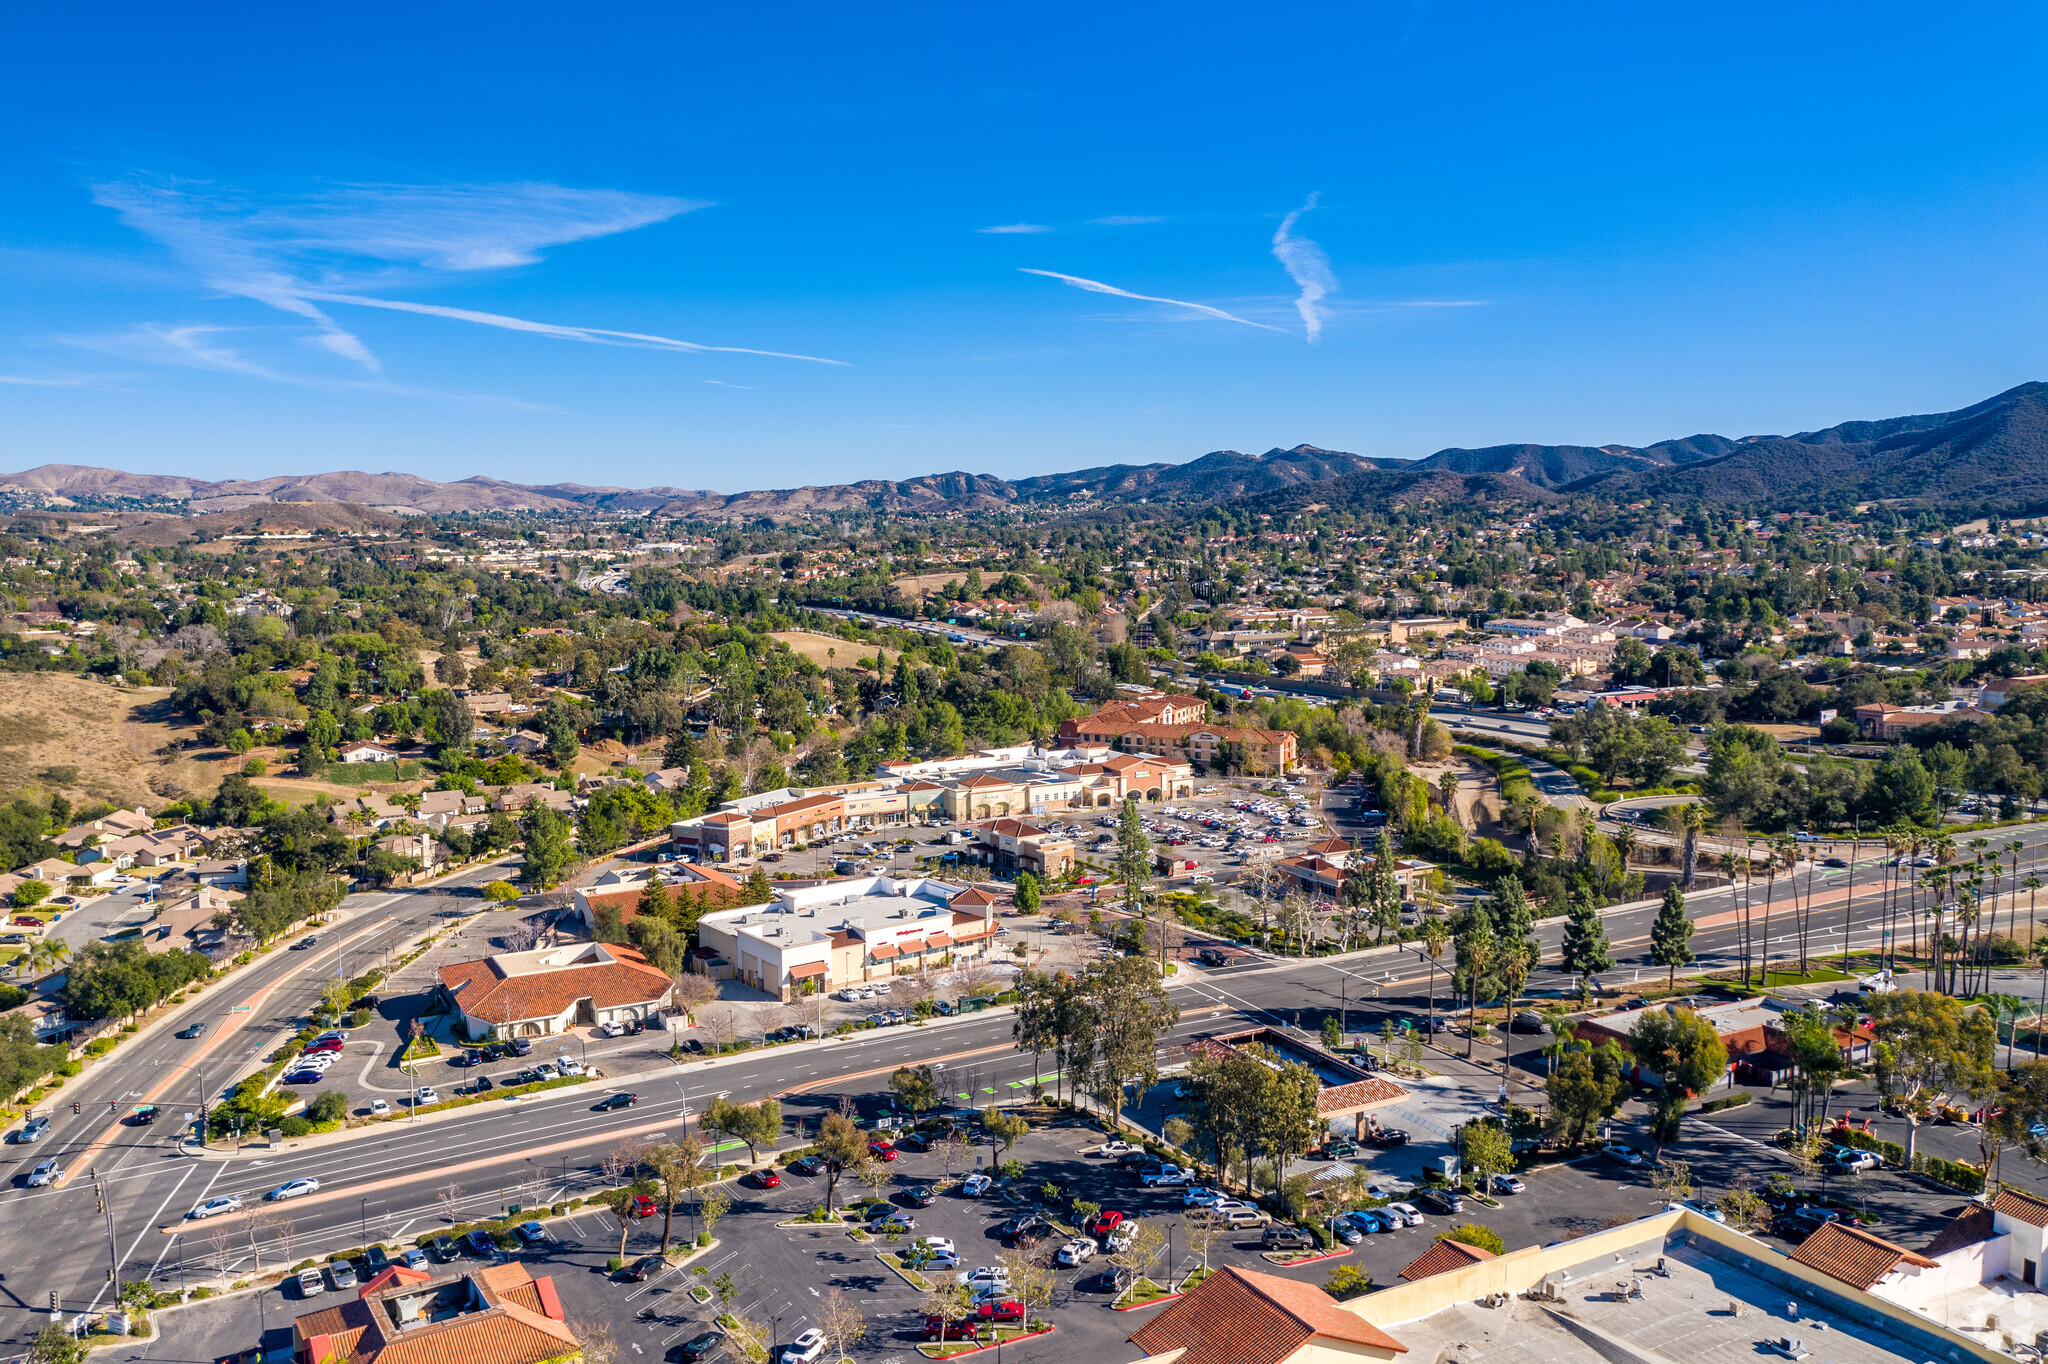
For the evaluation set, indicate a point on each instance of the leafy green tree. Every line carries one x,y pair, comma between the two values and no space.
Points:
1671,936
498,892
1484,1150
546,835
1026,896
1131,1013
1476,1234
1585,1088
1687,1055
31,893
328,1106
917,1087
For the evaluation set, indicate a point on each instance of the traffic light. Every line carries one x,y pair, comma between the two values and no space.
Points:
53,1301
74,1106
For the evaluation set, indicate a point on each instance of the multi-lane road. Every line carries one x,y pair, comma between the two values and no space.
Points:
390,1181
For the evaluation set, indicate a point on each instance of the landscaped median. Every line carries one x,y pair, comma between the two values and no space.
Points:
1001,1335
1290,1261
905,1272
1143,1293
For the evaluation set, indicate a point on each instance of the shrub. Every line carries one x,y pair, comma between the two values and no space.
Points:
1348,1281
614,1264
297,1125
1473,1234
1730,1101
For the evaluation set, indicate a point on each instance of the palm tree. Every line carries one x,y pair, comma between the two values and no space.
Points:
1436,935
2041,956
1692,817
1447,791
1625,846
45,955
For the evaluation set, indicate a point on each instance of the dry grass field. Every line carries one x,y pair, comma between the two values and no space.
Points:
92,741
829,651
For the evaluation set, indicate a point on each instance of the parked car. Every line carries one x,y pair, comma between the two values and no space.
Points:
378,1108
1077,1251
414,1258
1024,1226
1443,1202
342,1273
442,1248
1115,1148
425,1096
1409,1214
976,1185
1506,1184
1345,1229
1000,1311
765,1179
1278,1237
1165,1176
805,1348
638,1271
882,1150
707,1346
808,1166
1706,1210
944,1328
1626,1154
531,1233
984,1276
1105,1222
1387,1137
643,1206
311,1285
480,1244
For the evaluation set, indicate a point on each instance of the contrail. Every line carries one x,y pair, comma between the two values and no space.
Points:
1095,286
1306,264
596,335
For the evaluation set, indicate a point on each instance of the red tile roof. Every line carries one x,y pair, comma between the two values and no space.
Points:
482,990
1972,1226
1442,1257
2021,1207
1239,1317
1856,1257
513,1325
974,895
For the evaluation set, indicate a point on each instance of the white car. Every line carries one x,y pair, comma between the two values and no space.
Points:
804,1348
1407,1212
1386,1186
378,1108
1115,1148
546,1070
568,1065
214,1207
1077,1251
319,1060
941,1244
1120,1237
425,1096
312,1283
976,1185
612,1030
984,1276
293,1189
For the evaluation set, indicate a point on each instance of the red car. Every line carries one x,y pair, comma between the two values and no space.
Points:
967,1328
1108,1222
643,1206
994,1313
315,1048
24,921
767,1179
881,1150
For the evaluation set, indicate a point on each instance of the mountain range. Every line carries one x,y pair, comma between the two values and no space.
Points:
1994,453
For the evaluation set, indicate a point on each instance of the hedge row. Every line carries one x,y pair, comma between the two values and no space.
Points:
1957,1175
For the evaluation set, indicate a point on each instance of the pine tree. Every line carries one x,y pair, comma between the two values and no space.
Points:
1382,890
1133,852
654,901
1473,938
1671,935
1585,940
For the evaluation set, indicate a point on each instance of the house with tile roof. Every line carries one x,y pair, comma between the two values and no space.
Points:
1238,1316
1996,1247
549,991
500,1314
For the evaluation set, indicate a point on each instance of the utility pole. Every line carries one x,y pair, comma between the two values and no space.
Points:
99,1190
1849,902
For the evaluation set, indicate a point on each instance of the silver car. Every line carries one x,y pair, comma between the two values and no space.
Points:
46,1172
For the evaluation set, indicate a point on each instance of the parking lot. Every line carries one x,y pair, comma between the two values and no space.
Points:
778,1275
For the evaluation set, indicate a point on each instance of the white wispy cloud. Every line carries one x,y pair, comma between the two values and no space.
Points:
1095,286
1015,229
1308,267
1124,220
31,381
338,245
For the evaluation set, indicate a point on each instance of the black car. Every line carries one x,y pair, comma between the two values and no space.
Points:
693,1046
480,1084
144,1115
1387,1136
611,1101
442,1248
1137,1158
194,1031
1528,1020
376,1260
921,1197
638,1271
707,1346
809,1165
1024,1226
916,1141
1836,862
466,1058
366,1002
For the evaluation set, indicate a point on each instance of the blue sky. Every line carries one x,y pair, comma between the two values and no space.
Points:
463,239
